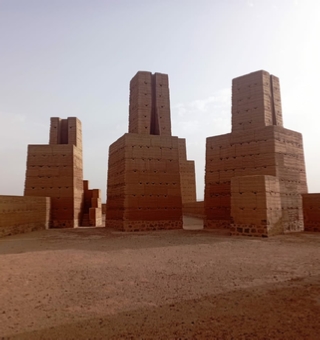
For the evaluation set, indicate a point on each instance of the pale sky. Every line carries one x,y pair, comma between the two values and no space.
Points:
65,58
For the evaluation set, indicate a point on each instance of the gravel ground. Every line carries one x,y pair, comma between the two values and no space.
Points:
93,283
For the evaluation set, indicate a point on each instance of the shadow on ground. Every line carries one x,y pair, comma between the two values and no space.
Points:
287,310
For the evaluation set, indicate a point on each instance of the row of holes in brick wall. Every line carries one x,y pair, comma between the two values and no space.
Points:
50,166
293,155
51,155
281,140
241,99
255,84
261,167
153,147
229,183
70,127
50,188
141,171
239,112
268,209
118,185
111,197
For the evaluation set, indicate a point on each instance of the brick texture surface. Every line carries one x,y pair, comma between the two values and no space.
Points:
92,207
144,190
256,206
193,209
56,171
20,214
258,145
187,174
256,101
311,212
149,110
149,175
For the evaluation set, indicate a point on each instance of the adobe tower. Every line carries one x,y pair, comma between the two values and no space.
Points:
56,171
255,175
149,176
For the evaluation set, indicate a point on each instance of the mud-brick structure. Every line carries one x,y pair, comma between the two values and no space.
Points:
255,175
56,171
149,175
311,212
92,207
187,175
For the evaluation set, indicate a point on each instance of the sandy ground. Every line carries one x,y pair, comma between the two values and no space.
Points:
94,283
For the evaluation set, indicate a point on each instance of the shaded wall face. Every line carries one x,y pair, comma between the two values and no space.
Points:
162,115
311,212
77,184
116,181
292,176
149,108
187,174
288,147
21,214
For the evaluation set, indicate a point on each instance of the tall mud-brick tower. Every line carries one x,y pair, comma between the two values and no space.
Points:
56,171
148,173
255,175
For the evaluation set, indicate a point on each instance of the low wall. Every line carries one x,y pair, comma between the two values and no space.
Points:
311,212
21,214
194,209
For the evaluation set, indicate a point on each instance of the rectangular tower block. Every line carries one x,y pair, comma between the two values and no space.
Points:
56,171
258,145
256,101
66,131
149,110
149,175
144,191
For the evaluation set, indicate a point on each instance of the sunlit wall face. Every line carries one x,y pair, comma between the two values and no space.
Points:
75,58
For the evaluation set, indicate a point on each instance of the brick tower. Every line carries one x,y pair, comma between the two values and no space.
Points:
145,185
255,175
56,171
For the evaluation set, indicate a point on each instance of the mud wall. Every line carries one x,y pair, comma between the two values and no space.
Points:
21,214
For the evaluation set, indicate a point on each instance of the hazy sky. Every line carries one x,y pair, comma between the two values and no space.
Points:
64,58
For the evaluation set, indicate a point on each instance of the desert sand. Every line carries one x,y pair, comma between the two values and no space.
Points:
95,283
